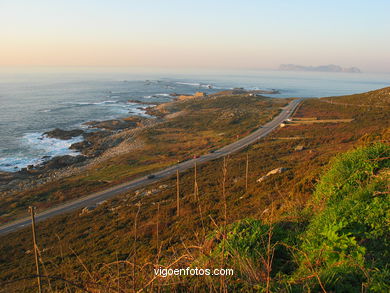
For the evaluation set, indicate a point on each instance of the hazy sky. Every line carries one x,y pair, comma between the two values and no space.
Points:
201,33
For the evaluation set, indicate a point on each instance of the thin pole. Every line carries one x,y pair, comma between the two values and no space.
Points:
195,183
157,231
177,193
246,173
32,212
224,171
135,247
158,243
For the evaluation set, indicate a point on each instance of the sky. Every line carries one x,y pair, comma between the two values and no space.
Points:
242,34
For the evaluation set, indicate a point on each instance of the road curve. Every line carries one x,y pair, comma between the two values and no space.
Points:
97,197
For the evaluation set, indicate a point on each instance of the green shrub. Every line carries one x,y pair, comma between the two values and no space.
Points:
251,245
351,170
348,243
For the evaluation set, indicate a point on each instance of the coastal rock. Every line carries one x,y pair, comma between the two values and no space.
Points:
96,142
273,172
93,143
63,161
6,176
80,146
63,134
143,102
115,124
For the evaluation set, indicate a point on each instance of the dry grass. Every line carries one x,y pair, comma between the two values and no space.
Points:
105,238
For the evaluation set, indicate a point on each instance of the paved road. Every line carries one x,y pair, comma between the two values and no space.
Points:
97,197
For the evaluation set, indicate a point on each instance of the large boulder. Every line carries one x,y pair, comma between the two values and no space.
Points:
63,134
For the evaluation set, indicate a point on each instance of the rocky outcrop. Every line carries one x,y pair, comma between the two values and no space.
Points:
95,143
63,134
114,124
273,172
143,102
80,146
63,161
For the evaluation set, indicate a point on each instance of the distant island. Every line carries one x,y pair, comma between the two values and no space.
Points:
320,68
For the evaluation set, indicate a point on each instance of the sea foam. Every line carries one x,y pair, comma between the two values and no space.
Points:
43,148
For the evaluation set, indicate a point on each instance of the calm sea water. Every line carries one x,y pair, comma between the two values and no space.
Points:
37,101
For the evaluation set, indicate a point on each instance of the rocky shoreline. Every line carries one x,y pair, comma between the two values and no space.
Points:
98,139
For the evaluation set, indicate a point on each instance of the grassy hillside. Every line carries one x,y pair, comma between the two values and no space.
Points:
299,217
377,98
343,247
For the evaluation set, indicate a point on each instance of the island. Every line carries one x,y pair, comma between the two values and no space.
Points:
320,68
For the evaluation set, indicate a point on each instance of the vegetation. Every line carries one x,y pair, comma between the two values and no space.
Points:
322,225
347,243
207,124
345,247
378,98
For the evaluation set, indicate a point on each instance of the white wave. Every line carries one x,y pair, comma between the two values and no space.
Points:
188,83
156,96
41,146
105,102
222,88
51,146
138,109
90,103
195,84
13,164
139,112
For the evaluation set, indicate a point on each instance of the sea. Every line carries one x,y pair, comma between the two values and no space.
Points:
33,101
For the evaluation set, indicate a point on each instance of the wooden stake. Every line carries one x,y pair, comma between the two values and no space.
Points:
32,212
195,183
135,247
246,173
177,193
157,232
224,189
158,243
224,172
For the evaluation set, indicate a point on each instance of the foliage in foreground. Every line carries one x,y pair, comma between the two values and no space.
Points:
344,248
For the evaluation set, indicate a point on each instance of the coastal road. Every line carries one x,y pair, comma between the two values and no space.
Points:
100,196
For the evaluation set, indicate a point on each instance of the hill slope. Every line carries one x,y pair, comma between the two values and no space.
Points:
377,98
97,250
